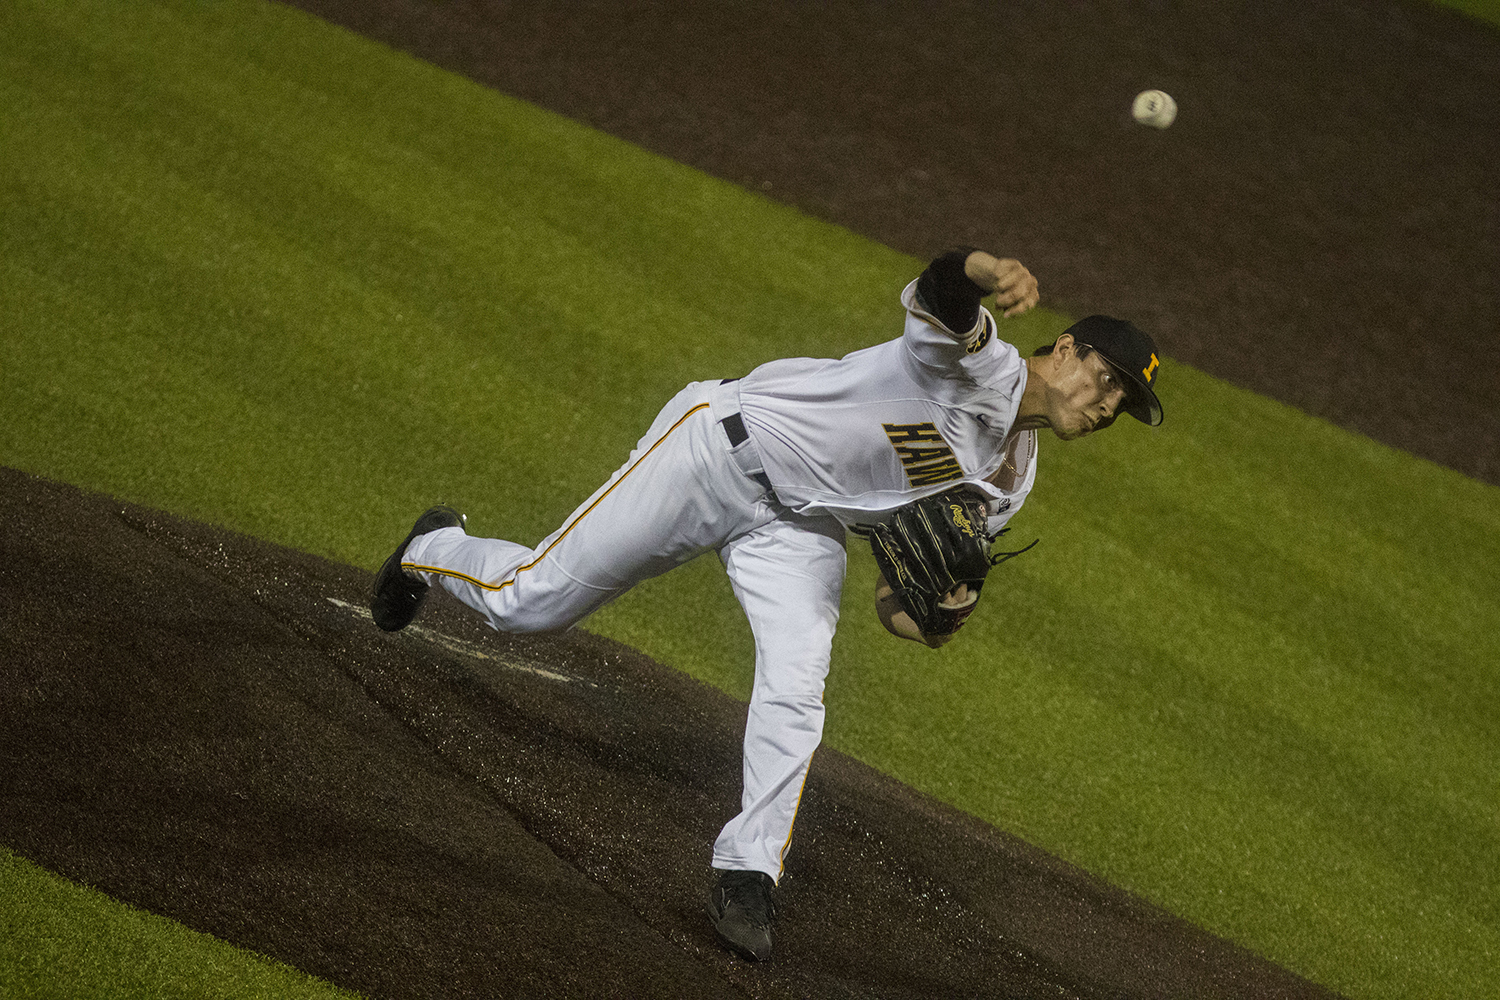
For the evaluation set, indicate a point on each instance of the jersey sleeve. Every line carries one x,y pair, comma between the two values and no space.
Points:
972,354
946,292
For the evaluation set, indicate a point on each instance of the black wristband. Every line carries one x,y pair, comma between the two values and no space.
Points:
946,290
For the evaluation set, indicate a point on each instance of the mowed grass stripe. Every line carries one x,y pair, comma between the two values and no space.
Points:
62,940
266,274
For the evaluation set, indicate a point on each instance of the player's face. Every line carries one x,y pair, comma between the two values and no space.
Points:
1085,396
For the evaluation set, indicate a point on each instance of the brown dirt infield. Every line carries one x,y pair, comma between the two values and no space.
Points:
203,724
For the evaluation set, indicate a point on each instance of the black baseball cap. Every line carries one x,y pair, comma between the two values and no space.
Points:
1133,353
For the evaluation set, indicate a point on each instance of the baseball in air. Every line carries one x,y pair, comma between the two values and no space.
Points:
1154,107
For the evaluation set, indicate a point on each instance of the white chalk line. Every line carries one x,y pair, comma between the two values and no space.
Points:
461,647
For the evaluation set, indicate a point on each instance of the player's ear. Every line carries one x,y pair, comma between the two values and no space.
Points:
1064,346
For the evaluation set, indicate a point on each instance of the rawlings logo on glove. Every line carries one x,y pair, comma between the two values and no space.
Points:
964,524
927,549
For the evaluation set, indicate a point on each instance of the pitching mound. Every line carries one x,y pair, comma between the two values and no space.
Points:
211,728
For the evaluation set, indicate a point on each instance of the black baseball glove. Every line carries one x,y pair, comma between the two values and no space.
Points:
928,548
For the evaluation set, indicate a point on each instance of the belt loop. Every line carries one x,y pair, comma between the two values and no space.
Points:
734,426
746,457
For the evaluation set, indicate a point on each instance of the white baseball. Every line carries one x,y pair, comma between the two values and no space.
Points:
1154,107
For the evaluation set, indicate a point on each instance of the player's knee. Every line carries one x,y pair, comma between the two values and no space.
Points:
525,619
788,669
805,704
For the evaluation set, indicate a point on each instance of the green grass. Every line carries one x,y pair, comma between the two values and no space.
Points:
1481,10
59,940
262,273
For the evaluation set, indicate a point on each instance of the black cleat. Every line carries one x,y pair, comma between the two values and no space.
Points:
397,595
742,911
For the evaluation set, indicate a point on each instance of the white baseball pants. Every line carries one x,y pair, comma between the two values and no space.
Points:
683,491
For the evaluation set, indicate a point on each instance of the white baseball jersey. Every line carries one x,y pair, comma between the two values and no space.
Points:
862,435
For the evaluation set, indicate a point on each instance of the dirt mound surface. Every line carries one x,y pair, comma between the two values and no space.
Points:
211,728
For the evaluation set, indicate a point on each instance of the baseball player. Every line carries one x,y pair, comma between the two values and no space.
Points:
768,471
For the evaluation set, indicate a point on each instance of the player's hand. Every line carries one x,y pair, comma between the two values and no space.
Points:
1013,286
899,623
957,597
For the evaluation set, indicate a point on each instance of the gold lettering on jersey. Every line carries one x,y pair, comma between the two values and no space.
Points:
912,454
924,454
1150,368
903,433
940,472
